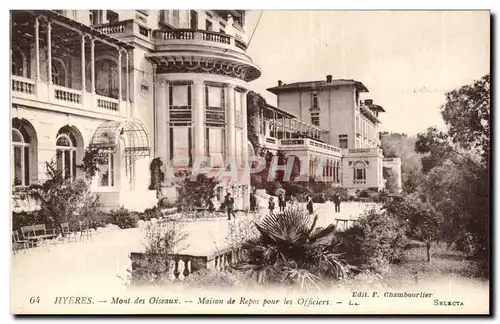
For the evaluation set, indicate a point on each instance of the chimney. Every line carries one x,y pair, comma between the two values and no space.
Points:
280,83
368,102
328,78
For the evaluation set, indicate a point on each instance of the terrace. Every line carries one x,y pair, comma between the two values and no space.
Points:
58,63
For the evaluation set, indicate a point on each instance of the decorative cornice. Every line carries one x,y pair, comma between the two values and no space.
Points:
207,65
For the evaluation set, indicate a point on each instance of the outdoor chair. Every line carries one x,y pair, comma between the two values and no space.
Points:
18,243
67,235
37,234
85,232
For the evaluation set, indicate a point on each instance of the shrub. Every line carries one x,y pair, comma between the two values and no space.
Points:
272,187
291,250
63,200
195,193
209,278
318,198
150,213
123,218
376,241
20,219
161,240
241,229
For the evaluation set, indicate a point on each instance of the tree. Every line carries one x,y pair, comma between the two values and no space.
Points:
435,147
467,114
63,200
254,103
403,146
391,183
458,190
92,158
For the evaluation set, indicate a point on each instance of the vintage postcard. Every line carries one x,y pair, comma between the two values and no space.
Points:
250,162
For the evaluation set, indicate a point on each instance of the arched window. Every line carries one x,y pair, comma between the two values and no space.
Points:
21,153
359,173
67,146
19,63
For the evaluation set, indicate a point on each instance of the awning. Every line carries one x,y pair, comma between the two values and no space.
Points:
108,136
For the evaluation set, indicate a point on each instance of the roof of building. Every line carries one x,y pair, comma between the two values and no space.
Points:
318,85
73,23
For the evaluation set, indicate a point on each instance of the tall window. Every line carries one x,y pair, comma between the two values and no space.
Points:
180,119
359,173
208,25
343,143
314,100
96,17
315,117
66,153
175,18
21,153
106,173
215,123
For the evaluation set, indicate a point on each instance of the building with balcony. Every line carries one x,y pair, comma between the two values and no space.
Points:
134,84
280,130
338,120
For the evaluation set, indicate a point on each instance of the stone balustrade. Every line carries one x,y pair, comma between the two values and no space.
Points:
164,37
68,95
179,266
23,85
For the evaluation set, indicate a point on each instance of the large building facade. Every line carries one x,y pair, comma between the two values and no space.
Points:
133,84
328,122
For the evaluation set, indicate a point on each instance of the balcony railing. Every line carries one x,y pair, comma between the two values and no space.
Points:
169,37
125,28
23,85
23,88
372,150
70,97
307,142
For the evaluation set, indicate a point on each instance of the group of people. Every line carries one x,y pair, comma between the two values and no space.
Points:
282,202
309,203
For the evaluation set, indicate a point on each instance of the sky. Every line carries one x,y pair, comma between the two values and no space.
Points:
408,60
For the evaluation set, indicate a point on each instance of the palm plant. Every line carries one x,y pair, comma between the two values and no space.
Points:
290,249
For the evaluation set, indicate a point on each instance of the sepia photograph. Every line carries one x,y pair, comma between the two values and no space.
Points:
250,162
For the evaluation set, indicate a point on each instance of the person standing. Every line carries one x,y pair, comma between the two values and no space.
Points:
253,201
282,202
271,205
336,201
229,202
310,208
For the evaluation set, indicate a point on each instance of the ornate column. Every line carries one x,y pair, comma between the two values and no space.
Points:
92,66
230,126
127,93
199,119
49,53
37,48
161,143
119,75
246,188
83,63
245,128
